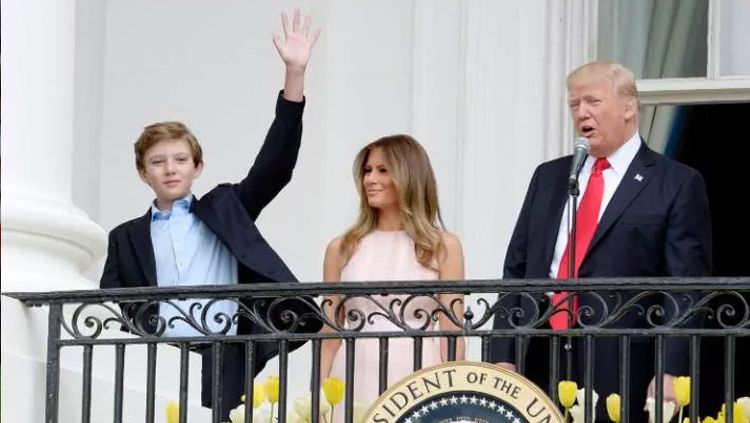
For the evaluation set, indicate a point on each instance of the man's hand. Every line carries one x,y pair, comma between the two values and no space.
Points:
507,366
298,43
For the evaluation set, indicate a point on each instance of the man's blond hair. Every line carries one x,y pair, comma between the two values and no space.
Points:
622,78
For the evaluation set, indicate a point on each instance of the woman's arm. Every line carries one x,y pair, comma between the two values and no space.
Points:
452,268
332,265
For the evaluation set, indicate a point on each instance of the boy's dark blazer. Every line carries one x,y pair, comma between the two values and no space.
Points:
229,210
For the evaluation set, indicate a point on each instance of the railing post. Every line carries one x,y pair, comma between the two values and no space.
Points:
588,411
554,366
119,381
283,378
53,363
625,378
249,380
217,391
315,382
88,351
695,359
150,383
349,384
184,367
729,377
659,380
383,373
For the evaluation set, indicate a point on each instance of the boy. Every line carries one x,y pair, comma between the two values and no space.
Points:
183,241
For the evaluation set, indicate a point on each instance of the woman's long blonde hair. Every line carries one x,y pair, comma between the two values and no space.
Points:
416,190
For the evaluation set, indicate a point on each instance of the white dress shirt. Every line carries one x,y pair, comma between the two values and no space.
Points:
619,162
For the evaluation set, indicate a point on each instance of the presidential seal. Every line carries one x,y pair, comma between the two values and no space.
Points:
464,392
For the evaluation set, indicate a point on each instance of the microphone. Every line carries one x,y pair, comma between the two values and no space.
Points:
581,150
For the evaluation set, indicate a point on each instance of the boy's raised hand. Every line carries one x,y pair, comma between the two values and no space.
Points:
298,42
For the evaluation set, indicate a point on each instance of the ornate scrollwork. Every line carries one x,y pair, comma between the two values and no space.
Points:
355,312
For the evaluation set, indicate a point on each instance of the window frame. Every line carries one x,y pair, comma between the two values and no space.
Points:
713,88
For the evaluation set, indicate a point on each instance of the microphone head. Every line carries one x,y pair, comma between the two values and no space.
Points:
582,143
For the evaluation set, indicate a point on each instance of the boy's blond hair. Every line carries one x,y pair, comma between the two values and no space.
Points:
165,131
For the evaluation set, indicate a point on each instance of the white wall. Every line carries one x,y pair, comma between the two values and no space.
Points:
478,82
469,79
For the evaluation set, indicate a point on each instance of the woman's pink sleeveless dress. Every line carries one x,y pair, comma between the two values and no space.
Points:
385,256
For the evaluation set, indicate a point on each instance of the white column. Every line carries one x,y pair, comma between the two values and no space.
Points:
46,241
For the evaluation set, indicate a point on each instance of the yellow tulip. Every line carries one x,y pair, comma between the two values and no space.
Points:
681,387
739,413
333,388
173,412
566,392
258,395
686,420
271,390
613,407
709,419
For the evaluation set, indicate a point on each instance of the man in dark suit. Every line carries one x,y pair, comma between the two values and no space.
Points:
640,214
184,241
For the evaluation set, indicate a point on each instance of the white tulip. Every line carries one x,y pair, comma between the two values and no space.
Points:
292,417
668,410
359,412
744,402
576,412
261,415
303,406
238,414
581,396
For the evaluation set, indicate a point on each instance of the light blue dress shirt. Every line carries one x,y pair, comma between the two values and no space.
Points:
187,253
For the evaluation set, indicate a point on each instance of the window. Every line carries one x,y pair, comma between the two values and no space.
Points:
682,52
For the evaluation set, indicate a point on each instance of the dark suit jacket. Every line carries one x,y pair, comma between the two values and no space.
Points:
229,210
656,226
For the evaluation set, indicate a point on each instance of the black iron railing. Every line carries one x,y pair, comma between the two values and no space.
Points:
688,308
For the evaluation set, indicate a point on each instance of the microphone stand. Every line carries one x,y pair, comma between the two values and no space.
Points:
573,193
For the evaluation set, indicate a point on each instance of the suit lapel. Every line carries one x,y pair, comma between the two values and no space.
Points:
636,178
140,236
237,232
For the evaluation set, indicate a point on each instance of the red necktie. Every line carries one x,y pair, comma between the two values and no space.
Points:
588,218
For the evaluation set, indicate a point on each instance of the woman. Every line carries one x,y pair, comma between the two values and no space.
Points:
399,235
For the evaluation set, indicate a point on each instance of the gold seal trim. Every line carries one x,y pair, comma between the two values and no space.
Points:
494,388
